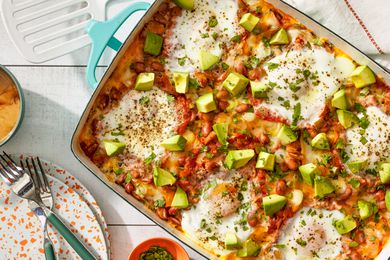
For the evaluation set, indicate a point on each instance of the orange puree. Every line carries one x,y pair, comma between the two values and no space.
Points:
9,105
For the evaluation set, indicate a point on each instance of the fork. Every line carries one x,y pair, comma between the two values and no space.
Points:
47,199
23,186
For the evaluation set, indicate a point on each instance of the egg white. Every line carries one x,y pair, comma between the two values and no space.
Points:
324,79
189,35
205,212
377,134
310,234
143,126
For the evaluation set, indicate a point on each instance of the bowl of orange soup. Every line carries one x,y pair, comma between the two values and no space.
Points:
11,105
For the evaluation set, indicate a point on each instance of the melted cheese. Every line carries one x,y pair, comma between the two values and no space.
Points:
308,77
193,33
310,234
377,135
143,120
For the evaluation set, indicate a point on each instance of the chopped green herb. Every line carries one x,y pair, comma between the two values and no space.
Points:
144,100
182,60
224,66
214,35
340,144
204,35
213,21
363,140
150,158
301,242
170,98
203,149
118,171
193,83
236,38
354,183
297,114
160,203
272,66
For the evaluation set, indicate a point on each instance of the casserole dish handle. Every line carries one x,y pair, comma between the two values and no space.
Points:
102,35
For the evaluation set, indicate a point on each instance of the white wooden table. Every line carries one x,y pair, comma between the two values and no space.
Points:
56,93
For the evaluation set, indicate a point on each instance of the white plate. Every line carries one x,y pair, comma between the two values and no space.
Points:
64,176
21,233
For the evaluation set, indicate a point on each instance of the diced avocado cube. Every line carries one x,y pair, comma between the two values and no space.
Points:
113,147
308,172
249,248
249,21
180,199
357,166
185,4
345,225
346,118
259,89
162,177
265,161
366,209
221,131
181,80
281,37
231,241
363,76
207,60
153,44
320,142
235,83
286,135
206,103
322,187
145,81
339,100
273,203
238,158
384,173
387,200
175,143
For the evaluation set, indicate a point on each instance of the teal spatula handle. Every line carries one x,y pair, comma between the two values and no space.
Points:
102,35
73,241
49,250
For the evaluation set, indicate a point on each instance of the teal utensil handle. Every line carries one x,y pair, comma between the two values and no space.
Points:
69,237
102,35
49,250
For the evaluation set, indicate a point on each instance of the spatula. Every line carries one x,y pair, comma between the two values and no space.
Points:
46,29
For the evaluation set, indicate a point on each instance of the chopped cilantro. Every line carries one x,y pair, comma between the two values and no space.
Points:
297,113
301,242
150,158
193,83
236,38
213,21
144,100
354,183
170,98
160,203
224,66
182,60
203,149
340,144
271,65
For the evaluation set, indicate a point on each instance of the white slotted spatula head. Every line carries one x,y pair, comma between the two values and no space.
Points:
46,29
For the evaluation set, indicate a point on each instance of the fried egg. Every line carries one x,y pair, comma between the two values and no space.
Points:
302,81
193,33
310,234
142,120
222,208
373,143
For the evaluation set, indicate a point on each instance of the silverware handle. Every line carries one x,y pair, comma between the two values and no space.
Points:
49,250
73,241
